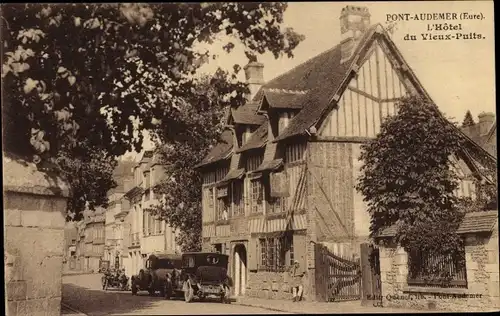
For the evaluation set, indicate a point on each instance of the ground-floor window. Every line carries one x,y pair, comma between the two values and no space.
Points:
237,195
276,253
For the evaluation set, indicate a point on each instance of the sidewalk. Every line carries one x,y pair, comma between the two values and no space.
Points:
317,307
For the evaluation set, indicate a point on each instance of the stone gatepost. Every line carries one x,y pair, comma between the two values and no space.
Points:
34,219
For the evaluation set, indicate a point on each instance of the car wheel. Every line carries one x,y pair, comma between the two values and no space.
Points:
188,292
167,292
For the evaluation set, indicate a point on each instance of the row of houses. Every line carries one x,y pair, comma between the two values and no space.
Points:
279,186
124,234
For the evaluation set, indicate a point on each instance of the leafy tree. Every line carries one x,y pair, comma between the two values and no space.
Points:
468,120
200,126
408,179
87,78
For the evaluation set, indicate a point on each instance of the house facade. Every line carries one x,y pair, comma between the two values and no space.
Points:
115,251
90,240
282,179
70,238
146,233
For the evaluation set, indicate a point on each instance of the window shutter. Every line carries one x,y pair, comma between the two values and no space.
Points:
253,254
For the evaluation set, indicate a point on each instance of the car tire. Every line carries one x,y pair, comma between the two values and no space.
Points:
188,292
167,292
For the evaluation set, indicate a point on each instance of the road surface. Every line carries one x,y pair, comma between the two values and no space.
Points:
84,293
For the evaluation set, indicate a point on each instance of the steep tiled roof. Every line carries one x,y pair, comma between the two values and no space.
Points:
284,99
322,76
472,223
234,174
222,150
247,114
473,132
257,140
478,222
270,165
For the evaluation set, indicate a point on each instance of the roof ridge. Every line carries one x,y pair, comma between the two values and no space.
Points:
301,64
286,91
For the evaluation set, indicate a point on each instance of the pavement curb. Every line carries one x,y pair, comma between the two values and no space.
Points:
266,307
71,309
78,273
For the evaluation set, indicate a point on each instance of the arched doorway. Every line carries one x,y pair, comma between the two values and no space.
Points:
240,269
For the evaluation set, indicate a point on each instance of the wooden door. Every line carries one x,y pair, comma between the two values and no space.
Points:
370,283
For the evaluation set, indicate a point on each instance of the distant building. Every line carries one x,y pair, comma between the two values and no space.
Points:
90,243
147,233
484,132
70,238
114,250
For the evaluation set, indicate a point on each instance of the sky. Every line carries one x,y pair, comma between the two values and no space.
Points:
459,75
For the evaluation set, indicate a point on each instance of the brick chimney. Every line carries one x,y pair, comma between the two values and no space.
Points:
486,119
254,74
354,21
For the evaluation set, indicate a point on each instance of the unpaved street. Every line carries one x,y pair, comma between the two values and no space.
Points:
84,293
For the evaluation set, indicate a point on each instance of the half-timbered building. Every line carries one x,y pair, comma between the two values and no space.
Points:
282,180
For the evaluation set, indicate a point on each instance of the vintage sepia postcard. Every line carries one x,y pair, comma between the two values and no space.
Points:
249,158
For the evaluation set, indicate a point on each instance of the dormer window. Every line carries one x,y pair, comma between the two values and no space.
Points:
246,133
284,120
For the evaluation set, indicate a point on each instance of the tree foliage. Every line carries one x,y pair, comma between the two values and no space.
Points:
408,179
199,128
87,78
468,120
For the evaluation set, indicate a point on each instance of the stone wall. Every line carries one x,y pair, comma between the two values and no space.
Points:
482,290
34,219
271,285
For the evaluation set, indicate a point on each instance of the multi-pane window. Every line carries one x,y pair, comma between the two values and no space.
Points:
223,203
222,209
277,204
144,223
239,206
275,253
263,252
294,152
150,224
257,195
210,198
160,226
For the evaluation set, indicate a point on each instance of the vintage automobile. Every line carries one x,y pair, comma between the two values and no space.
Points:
153,278
203,274
111,280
